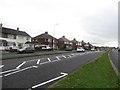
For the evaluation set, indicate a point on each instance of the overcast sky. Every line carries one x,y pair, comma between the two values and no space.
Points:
94,21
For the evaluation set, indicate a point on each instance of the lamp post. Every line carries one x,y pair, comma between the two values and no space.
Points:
54,35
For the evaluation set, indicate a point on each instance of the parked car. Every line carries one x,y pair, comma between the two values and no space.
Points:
43,47
92,49
26,50
80,49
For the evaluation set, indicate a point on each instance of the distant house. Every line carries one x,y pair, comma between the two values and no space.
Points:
74,44
64,43
11,37
45,39
88,46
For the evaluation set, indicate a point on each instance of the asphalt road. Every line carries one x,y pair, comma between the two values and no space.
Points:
115,57
31,72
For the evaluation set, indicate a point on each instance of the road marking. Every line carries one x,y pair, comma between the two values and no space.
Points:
44,63
38,61
63,56
8,71
21,64
35,66
41,84
1,76
18,71
69,56
57,57
49,59
1,66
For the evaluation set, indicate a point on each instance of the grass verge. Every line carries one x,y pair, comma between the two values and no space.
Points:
97,74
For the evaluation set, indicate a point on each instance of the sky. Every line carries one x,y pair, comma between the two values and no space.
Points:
94,21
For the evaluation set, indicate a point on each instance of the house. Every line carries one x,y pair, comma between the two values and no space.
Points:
64,43
88,46
45,39
75,44
11,37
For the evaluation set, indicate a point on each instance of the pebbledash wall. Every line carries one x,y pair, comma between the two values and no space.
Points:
11,37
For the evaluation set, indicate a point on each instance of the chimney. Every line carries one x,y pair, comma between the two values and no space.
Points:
17,29
1,25
63,36
46,32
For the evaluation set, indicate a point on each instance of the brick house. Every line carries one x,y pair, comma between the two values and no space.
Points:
88,46
74,44
64,43
45,39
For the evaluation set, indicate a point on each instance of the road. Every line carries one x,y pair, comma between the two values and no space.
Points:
115,57
27,73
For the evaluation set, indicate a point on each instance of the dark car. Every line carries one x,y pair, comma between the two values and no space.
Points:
26,50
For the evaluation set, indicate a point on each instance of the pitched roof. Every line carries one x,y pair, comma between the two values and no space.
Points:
16,32
64,39
74,41
45,35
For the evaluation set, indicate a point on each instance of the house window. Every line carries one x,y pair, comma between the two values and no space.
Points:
49,40
1,44
10,43
10,36
27,38
0,34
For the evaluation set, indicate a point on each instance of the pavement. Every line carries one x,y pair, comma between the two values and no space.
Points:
41,72
115,58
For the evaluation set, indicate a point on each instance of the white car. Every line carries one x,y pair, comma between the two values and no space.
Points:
92,49
80,49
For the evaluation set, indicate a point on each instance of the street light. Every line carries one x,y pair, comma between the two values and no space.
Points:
54,35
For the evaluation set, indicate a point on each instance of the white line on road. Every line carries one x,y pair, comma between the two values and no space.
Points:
21,64
1,66
63,56
69,56
63,75
57,57
18,71
1,76
8,71
49,59
38,61
35,66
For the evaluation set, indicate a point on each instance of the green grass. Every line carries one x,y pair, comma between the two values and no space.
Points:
97,74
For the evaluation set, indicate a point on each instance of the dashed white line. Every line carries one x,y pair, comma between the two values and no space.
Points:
21,64
38,61
49,59
63,56
1,76
1,66
18,71
35,66
57,57
8,71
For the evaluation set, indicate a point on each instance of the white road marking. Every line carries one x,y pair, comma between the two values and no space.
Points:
49,59
21,64
35,66
18,71
44,63
1,66
38,61
63,56
69,56
63,75
57,57
1,76
9,71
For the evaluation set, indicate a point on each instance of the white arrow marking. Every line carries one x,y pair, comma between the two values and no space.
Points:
49,60
64,56
1,66
21,64
38,61
57,57
63,75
